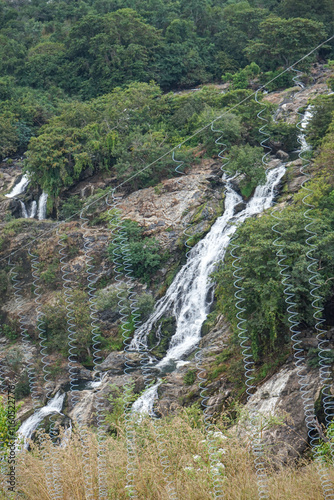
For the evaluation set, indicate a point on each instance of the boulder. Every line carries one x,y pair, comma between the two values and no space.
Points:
282,155
278,406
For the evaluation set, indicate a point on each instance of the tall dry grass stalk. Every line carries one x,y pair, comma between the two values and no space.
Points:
185,444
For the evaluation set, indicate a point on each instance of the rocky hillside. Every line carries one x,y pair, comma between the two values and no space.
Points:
164,217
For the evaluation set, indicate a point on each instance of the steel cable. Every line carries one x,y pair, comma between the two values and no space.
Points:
96,347
55,488
257,444
295,332
129,314
256,440
323,344
201,373
52,471
123,268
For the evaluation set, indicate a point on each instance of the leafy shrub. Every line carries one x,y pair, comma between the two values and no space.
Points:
9,331
14,359
70,207
247,160
265,308
189,377
144,254
55,322
22,387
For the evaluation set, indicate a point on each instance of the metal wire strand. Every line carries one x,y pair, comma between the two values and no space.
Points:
248,362
50,464
245,344
293,319
95,332
210,428
312,268
129,312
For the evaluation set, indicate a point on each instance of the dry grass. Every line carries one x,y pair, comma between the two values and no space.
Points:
182,441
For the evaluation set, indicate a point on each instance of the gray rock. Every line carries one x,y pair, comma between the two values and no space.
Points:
282,155
115,362
279,406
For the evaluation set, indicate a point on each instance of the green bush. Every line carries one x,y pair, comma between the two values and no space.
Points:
9,331
70,207
144,254
22,387
56,328
247,160
265,308
189,377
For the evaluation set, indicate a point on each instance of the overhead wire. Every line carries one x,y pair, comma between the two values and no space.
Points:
295,333
96,342
217,478
255,434
50,463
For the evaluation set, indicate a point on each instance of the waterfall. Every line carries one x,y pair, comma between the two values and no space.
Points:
23,210
303,124
30,425
19,188
42,206
190,296
94,384
145,403
33,210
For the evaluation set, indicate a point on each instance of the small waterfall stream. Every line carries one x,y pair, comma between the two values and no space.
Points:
41,213
19,188
29,426
190,296
31,213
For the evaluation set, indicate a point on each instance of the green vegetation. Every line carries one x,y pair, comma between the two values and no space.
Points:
22,387
143,254
77,91
265,308
247,160
189,377
8,331
55,323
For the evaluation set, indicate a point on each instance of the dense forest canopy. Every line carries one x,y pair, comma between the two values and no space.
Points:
76,84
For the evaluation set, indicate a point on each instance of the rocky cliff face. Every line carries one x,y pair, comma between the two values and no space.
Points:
192,203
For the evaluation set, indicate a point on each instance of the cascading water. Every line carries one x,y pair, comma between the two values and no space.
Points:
145,403
19,188
29,426
24,212
41,214
190,296
33,210
304,146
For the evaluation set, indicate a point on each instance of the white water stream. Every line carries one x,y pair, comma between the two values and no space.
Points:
19,189
33,210
30,425
190,296
41,213
303,124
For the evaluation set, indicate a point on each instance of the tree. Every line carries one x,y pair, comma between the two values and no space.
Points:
246,160
240,24
283,41
44,64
